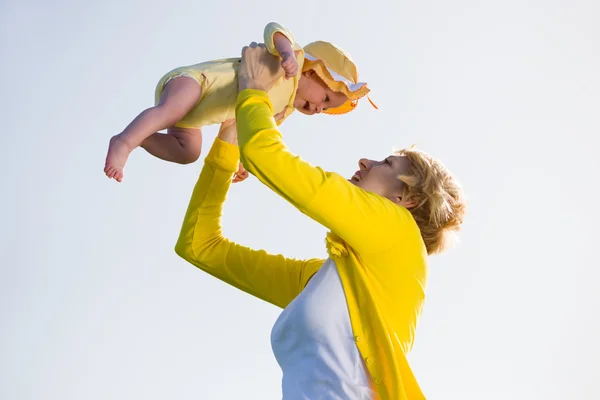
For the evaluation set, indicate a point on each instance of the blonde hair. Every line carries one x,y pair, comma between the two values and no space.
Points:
440,201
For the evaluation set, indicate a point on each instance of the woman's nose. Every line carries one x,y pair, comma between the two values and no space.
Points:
364,163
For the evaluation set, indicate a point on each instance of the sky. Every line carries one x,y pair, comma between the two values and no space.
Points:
94,302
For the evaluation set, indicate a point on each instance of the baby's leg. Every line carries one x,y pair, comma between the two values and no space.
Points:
180,145
180,95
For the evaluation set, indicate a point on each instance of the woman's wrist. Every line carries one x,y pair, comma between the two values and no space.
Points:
228,132
247,83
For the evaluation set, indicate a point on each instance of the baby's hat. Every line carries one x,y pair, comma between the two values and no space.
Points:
335,67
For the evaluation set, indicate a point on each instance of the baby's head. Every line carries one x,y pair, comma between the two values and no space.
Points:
329,81
314,96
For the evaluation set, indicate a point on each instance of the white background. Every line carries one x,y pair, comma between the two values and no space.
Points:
96,305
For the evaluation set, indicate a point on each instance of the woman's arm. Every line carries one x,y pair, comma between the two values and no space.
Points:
273,278
367,222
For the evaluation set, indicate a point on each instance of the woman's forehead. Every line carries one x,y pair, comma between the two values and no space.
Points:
397,158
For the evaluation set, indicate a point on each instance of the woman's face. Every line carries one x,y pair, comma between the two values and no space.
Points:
314,96
381,177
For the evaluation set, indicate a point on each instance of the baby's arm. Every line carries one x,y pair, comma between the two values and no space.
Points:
280,42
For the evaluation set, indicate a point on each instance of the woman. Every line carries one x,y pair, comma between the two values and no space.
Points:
348,321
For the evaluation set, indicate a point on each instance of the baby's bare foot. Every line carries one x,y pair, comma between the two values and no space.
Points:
118,151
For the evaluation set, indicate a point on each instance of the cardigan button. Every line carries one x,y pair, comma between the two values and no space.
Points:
357,338
377,380
369,360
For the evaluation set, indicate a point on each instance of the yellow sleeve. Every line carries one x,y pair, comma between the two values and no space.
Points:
271,29
273,278
366,221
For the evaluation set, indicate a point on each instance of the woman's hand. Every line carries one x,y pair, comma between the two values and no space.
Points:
259,69
240,175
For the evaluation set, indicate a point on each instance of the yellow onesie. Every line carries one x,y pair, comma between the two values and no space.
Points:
218,80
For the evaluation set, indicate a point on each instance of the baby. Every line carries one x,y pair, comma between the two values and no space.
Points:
318,78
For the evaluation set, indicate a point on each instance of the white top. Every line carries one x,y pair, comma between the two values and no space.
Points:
313,343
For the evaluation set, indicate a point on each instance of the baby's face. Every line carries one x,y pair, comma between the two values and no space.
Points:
313,95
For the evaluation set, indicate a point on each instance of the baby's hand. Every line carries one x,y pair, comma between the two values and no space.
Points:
289,64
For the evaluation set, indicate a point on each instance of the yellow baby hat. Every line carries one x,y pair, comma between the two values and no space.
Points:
338,71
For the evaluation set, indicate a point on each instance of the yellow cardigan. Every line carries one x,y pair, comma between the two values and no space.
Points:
376,244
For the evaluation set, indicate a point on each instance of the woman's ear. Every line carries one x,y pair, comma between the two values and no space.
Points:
405,203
